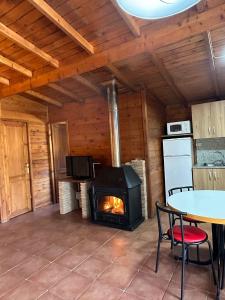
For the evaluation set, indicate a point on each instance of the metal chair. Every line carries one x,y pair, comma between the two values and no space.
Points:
184,235
184,189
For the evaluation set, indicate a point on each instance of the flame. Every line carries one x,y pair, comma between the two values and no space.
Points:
114,205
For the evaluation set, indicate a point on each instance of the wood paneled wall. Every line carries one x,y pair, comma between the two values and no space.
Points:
131,127
155,123
88,127
178,112
36,116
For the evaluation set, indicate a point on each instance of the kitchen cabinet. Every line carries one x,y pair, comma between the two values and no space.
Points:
209,179
208,120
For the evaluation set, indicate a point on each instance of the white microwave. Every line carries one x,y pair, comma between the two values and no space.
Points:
182,127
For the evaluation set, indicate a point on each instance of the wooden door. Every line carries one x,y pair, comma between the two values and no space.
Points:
203,179
60,147
218,118
201,120
17,156
219,179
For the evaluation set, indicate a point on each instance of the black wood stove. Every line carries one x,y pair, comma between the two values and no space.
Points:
116,198
115,194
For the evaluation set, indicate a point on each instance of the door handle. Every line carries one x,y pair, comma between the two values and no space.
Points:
210,175
214,130
27,168
209,130
215,177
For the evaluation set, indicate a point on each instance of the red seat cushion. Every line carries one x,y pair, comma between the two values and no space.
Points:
192,234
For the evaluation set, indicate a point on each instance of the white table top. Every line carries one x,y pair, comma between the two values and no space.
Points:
207,206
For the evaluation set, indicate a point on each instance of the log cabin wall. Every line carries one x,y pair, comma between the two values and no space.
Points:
178,112
88,125
19,108
155,128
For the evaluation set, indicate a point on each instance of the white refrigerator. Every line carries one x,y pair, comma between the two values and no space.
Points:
178,161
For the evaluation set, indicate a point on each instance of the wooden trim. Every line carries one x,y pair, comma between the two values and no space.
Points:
13,65
61,23
18,39
65,92
146,145
4,80
213,72
51,162
88,84
167,77
44,98
129,20
30,167
120,77
151,41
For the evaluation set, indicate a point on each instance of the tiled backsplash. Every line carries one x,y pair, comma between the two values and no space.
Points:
210,150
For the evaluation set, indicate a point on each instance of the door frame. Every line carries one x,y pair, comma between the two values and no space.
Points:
29,157
52,158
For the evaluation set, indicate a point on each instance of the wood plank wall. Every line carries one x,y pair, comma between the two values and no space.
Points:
36,116
88,125
179,112
131,127
156,114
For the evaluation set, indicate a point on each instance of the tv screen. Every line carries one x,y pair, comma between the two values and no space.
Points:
79,167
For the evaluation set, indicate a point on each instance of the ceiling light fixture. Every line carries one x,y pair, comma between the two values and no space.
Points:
155,9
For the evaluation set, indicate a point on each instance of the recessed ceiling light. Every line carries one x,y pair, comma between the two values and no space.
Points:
155,9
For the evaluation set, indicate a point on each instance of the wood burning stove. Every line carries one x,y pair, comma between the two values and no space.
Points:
116,198
116,191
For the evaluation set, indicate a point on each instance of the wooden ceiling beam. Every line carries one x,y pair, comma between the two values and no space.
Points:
4,80
44,98
65,92
61,23
213,72
167,77
132,25
19,40
151,41
120,77
13,65
88,84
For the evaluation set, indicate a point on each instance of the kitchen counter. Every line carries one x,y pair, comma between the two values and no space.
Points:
208,167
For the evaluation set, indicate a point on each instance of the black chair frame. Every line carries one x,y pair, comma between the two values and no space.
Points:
185,246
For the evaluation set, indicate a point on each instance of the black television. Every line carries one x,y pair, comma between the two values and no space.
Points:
79,167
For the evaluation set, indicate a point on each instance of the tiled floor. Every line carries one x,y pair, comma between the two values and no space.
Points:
47,256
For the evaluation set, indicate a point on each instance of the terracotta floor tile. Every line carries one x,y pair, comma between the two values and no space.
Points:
118,275
101,291
49,296
50,275
71,287
167,265
195,276
92,267
148,287
72,258
52,252
132,258
31,265
12,260
9,281
87,246
190,293
26,291
126,296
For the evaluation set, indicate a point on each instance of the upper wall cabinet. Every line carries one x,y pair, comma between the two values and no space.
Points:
209,120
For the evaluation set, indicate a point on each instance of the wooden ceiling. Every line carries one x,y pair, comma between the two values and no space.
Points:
60,51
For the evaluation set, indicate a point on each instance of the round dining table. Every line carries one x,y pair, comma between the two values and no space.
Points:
206,206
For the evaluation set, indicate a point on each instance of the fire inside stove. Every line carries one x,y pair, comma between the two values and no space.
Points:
113,205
